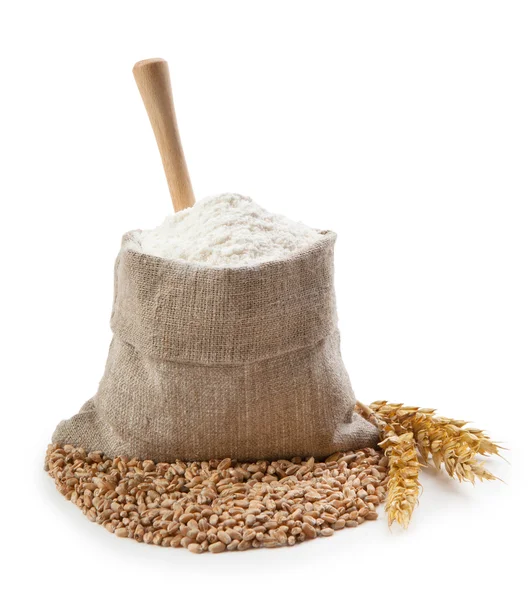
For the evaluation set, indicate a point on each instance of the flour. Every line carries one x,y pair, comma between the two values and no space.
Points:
226,231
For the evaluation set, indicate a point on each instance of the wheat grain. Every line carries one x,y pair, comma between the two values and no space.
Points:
221,505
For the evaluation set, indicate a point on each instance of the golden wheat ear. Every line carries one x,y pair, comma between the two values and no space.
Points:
412,437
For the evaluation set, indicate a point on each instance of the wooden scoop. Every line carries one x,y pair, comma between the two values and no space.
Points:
153,80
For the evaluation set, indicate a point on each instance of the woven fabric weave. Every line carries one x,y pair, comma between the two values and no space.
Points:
211,362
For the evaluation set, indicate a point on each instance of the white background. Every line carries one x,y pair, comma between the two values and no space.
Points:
406,127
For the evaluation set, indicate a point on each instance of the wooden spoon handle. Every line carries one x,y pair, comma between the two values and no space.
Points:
153,80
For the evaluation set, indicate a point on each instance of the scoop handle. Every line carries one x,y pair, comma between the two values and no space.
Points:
153,80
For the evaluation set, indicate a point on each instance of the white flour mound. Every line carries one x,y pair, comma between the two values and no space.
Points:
227,231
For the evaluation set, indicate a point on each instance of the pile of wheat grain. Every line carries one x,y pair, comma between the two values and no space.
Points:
221,504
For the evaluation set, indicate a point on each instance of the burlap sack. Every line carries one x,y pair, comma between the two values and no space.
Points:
211,362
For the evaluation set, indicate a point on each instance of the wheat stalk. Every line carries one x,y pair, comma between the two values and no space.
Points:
404,467
446,441
410,436
403,484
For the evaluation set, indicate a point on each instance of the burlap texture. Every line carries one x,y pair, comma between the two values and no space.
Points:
210,362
